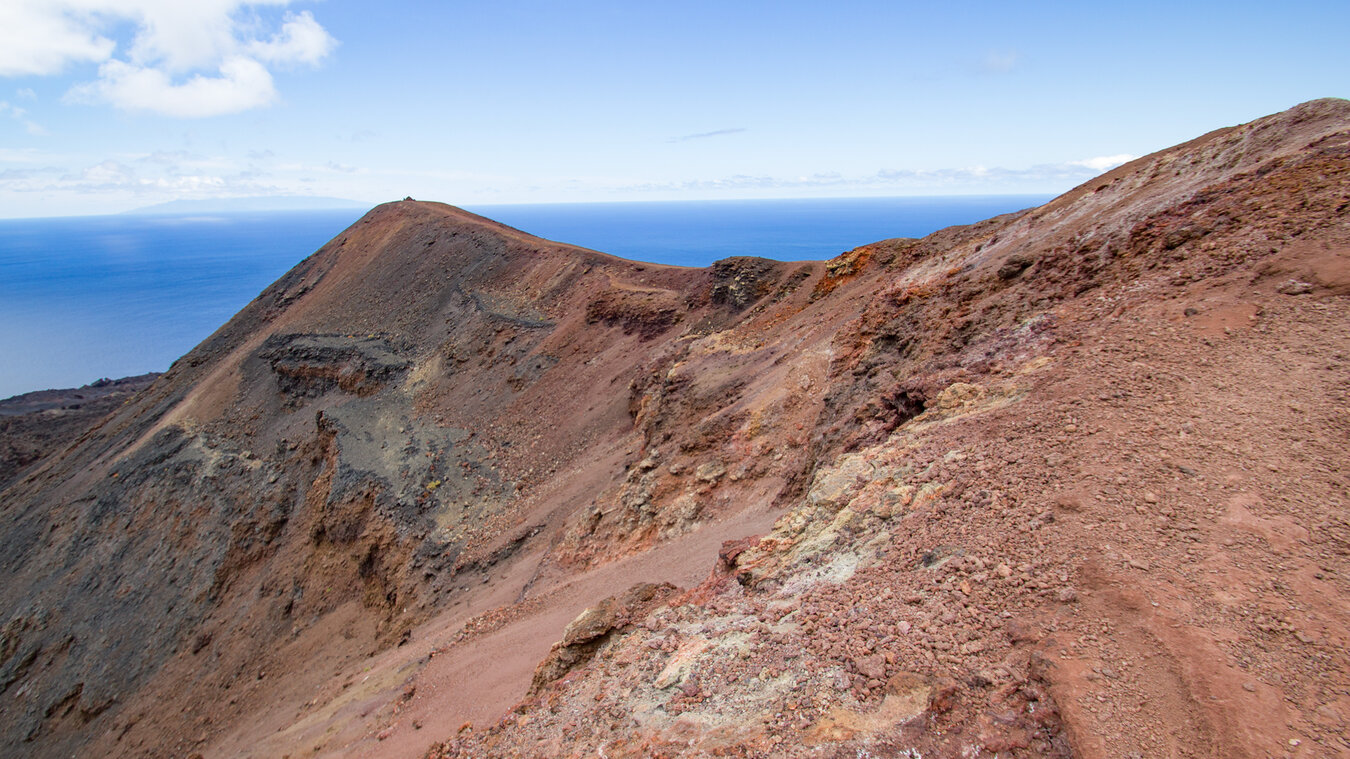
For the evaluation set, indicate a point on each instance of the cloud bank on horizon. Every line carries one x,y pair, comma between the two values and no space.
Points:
184,59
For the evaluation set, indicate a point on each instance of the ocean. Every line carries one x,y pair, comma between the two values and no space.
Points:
113,296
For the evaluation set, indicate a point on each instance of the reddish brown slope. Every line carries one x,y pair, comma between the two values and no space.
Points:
1081,491
358,444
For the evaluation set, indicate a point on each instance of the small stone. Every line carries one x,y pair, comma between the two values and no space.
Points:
1137,564
1020,632
873,667
1150,496
1329,713
710,472
982,678
1295,287
1250,688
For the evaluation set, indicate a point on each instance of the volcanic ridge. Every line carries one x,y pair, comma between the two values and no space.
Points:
1069,482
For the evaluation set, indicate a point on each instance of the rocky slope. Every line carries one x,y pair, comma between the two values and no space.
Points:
1069,482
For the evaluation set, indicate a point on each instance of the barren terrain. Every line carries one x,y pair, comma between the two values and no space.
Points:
1069,482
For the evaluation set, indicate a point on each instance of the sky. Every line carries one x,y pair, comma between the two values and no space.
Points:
109,105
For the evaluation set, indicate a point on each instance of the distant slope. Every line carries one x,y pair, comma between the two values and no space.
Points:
259,203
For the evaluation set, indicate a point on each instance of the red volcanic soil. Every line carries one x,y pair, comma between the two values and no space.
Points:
1069,482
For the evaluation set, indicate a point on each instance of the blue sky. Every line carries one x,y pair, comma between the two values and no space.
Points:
107,105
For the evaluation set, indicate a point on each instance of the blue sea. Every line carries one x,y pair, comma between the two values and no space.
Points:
112,296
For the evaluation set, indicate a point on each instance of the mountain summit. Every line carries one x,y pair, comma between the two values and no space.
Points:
1067,482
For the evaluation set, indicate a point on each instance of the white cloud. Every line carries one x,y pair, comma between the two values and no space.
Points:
106,173
43,36
186,58
243,83
1104,162
301,40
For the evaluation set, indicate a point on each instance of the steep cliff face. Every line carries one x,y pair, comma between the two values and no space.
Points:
1042,485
